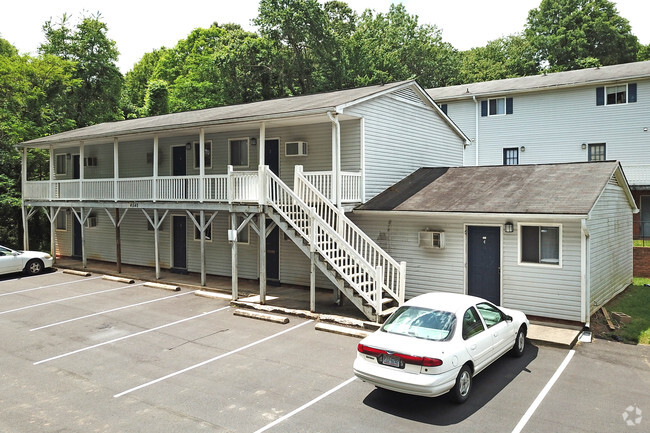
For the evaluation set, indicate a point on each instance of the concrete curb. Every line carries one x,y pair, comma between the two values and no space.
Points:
118,279
75,272
170,287
261,316
342,330
213,295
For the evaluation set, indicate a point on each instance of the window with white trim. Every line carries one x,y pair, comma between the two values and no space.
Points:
496,107
615,95
207,156
61,164
540,244
511,156
238,152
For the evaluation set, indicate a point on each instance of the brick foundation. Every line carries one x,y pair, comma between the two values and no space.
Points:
642,262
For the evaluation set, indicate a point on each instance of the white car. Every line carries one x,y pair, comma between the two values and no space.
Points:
30,262
437,342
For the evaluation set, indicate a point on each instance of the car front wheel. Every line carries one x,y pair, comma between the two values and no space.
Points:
34,267
460,391
520,343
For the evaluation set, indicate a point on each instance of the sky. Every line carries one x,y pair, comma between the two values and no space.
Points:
140,26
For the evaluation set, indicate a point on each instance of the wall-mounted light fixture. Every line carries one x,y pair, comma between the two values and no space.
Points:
188,146
645,129
509,227
253,141
584,146
522,148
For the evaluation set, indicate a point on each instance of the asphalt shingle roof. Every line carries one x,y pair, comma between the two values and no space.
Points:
626,71
566,189
283,107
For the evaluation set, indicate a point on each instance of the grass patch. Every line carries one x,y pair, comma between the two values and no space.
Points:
635,302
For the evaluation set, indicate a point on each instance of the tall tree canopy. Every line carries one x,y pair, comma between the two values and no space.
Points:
573,34
506,57
97,99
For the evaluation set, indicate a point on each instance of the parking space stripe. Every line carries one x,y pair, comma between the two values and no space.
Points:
111,310
129,336
68,298
306,405
522,422
216,358
48,286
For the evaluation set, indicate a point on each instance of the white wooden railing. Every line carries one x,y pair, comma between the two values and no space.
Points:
236,186
350,184
326,241
394,272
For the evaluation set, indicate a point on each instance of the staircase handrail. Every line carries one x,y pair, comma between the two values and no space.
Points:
318,225
377,256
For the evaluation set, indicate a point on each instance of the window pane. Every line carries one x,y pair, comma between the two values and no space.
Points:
530,244
239,152
597,152
60,164
61,221
617,94
511,156
550,245
472,324
501,106
493,107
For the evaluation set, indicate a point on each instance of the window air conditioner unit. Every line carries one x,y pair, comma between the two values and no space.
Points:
431,239
295,148
91,221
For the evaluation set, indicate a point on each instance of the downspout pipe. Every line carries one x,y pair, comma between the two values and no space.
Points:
336,158
476,141
585,277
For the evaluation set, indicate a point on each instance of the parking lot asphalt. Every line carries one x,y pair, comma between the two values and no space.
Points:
86,354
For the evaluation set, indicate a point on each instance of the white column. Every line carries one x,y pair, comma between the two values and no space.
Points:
261,223
235,287
202,230
116,168
23,209
156,241
154,186
49,187
53,233
201,163
84,262
81,171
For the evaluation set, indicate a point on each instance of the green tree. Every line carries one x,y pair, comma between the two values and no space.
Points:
570,34
156,100
506,57
644,53
137,80
33,103
96,100
394,46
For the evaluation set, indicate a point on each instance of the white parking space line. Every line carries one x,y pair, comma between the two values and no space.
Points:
216,358
49,285
111,310
129,336
522,422
69,298
306,405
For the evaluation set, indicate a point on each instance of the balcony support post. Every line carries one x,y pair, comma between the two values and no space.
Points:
234,258
156,155
22,202
81,172
49,186
261,226
116,169
202,164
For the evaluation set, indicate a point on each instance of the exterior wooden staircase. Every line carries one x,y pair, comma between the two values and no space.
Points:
356,265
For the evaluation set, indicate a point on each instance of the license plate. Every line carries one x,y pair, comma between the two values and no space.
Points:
391,361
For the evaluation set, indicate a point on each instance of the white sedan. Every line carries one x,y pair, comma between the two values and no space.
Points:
30,262
436,343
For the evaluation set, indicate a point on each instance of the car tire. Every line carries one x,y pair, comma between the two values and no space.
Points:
463,386
520,343
34,267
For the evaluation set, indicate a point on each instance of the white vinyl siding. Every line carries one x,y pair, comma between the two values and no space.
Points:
610,246
541,291
401,137
553,124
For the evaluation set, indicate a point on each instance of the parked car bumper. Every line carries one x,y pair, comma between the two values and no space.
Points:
427,385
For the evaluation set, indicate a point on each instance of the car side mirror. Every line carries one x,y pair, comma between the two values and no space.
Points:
508,318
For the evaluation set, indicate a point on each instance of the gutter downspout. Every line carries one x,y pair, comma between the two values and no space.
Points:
476,127
336,159
585,264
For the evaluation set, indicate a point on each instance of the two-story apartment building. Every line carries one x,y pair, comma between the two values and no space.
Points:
207,191
591,114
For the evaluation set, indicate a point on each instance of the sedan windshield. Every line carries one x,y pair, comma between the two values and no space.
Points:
421,322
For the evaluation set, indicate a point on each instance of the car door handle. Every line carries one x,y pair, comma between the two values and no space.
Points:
472,347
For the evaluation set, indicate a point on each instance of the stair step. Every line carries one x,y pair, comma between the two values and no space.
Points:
388,311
